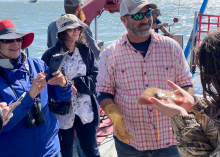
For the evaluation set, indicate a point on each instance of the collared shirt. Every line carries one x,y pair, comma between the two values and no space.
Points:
124,73
81,103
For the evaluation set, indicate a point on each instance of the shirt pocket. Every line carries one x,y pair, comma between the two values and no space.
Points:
124,78
160,74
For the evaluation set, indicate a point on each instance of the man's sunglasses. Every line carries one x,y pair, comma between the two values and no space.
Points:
140,16
5,41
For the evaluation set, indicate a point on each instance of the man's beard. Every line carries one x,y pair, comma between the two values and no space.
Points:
135,29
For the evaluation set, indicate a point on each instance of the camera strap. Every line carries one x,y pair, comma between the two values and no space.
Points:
2,73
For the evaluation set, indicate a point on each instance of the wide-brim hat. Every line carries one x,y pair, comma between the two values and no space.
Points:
8,31
131,7
68,21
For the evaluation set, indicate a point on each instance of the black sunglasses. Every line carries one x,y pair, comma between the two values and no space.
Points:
140,16
5,41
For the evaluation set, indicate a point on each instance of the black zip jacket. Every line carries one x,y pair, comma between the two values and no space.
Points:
83,84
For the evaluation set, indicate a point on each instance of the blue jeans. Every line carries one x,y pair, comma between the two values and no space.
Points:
86,135
125,150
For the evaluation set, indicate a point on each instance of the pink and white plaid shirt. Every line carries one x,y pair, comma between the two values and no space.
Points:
124,73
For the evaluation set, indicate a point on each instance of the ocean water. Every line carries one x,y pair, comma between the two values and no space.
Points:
35,17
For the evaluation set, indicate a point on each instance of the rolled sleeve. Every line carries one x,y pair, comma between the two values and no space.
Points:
183,75
105,78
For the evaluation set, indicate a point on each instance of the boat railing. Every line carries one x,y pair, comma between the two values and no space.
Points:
203,25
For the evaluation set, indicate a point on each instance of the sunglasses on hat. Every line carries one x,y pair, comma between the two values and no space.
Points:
140,16
7,41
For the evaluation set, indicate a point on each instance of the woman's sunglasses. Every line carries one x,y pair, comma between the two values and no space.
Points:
140,16
5,41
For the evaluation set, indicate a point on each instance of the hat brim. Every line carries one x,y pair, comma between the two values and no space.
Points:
28,38
137,9
71,27
159,14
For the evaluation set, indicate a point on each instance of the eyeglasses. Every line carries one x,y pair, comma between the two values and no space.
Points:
140,16
74,29
5,41
77,28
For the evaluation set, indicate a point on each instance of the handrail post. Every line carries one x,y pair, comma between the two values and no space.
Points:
193,41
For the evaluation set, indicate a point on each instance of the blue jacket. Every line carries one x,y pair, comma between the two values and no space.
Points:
38,141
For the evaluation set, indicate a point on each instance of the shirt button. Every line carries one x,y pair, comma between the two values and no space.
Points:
166,68
144,61
122,71
146,85
145,73
150,110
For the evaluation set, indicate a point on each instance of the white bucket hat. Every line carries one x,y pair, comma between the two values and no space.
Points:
68,21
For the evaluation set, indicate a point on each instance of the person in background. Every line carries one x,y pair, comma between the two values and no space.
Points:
81,68
73,7
157,24
33,129
140,59
4,109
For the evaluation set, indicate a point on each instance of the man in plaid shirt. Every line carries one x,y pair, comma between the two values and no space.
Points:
138,60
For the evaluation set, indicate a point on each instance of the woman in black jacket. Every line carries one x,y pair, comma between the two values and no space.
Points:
81,68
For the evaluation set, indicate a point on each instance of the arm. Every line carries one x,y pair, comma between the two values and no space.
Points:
59,88
154,26
106,84
183,76
56,92
188,129
19,112
191,137
166,32
86,84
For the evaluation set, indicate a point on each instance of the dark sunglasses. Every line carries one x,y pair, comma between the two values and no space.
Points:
140,16
5,41
74,29
77,28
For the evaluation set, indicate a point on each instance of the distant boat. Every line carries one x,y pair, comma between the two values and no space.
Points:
32,1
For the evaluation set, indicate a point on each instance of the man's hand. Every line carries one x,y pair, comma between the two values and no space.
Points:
37,85
5,110
121,132
120,129
170,35
58,79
